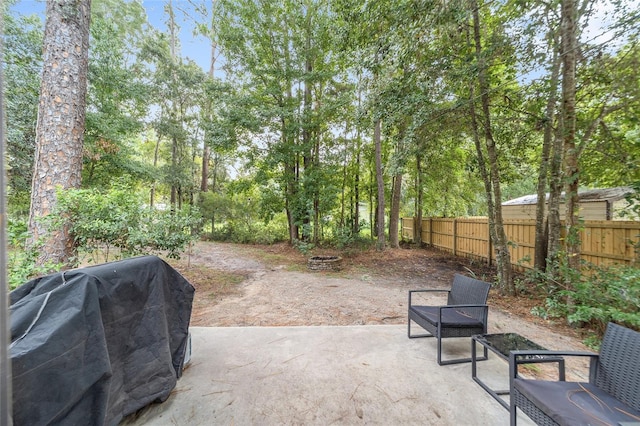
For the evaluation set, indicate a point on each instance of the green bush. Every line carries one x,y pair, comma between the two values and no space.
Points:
256,233
599,296
21,261
103,220
344,238
167,232
609,294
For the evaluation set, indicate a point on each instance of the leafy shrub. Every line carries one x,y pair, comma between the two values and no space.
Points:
609,294
21,261
165,231
221,233
304,247
633,199
344,238
600,295
101,221
252,232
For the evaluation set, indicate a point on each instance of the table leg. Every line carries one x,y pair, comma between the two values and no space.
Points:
495,394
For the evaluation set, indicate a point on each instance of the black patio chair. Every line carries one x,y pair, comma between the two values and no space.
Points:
610,397
464,315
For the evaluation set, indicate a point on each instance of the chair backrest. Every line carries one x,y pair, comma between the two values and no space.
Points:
468,291
618,369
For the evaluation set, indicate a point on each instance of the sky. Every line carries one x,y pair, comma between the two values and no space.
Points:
192,47
197,47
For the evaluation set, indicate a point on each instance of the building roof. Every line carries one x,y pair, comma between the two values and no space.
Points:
589,195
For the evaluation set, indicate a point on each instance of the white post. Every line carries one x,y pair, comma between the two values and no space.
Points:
6,403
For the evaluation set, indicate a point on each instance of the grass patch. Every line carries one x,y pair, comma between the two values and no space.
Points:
211,283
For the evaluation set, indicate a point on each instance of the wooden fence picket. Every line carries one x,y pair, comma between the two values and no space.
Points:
603,242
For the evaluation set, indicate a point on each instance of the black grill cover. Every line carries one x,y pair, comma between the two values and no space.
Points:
92,345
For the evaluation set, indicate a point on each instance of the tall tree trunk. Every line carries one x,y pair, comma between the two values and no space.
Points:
292,160
377,140
152,196
373,213
307,160
204,182
571,172
417,234
482,165
217,160
317,229
396,190
555,198
540,257
503,257
394,214
356,190
356,178
174,168
206,151
61,122
343,188
174,110
291,191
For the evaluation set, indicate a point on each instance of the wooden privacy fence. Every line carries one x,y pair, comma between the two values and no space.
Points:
603,242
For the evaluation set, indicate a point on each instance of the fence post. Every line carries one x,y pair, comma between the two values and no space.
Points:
489,257
455,237
415,229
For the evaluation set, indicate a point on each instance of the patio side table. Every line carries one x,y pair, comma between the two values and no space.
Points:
501,344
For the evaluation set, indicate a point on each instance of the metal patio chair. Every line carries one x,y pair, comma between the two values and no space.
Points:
610,397
464,315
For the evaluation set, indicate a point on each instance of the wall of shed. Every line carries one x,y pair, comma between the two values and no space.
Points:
593,210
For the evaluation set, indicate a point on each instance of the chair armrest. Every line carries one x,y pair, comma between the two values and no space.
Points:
430,290
480,305
483,315
551,356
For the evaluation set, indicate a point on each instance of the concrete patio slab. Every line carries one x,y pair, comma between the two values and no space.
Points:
327,375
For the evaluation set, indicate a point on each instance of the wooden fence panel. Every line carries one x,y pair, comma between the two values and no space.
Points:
602,242
407,228
427,232
521,235
442,233
472,238
607,242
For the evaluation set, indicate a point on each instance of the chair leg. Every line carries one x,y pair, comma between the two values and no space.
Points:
415,336
449,361
513,410
513,413
439,347
457,360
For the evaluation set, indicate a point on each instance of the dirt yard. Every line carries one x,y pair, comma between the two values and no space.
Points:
243,285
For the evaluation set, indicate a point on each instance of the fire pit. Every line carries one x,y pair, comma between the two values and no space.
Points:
325,263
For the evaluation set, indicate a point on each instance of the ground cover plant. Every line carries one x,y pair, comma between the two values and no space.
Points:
320,124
